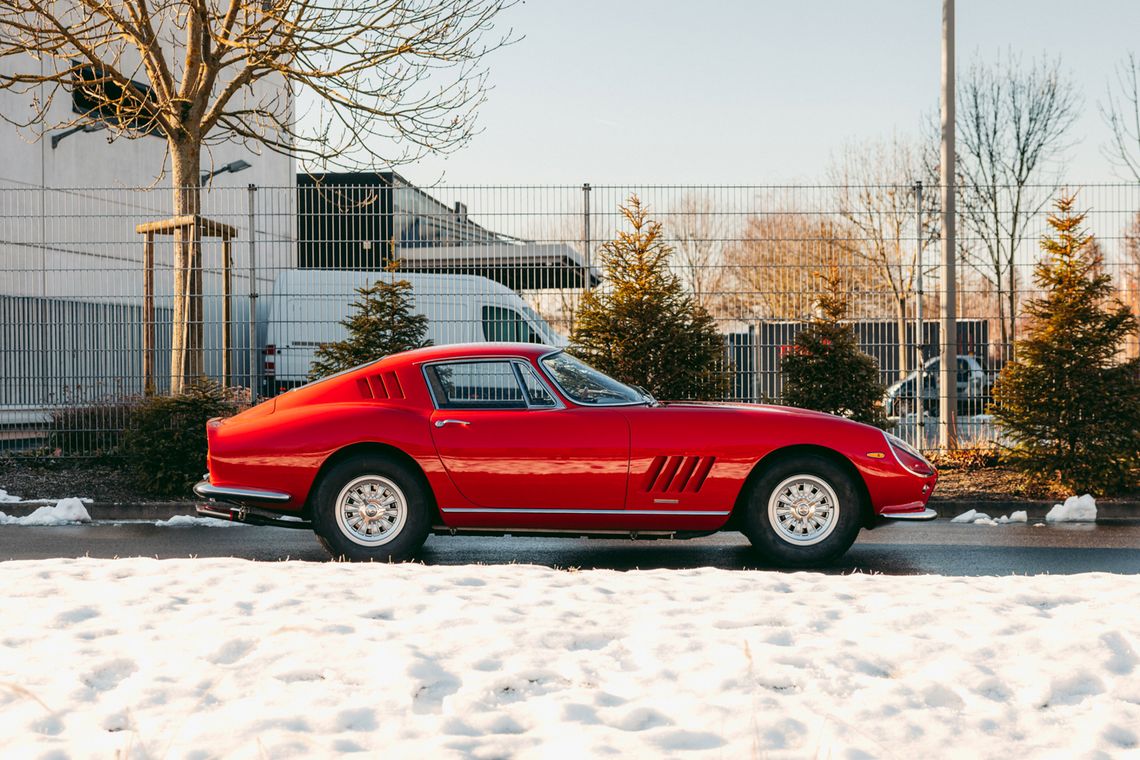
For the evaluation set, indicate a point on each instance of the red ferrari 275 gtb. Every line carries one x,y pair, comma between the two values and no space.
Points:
503,438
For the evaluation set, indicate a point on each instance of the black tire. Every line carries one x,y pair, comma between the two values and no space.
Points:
398,519
824,539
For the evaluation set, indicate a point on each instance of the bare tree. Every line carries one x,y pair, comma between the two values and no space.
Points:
387,79
1121,112
774,262
1012,121
699,233
875,196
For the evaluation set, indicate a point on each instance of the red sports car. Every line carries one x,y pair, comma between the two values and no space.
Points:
503,438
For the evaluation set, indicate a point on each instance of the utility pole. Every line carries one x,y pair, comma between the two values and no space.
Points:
919,335
948,380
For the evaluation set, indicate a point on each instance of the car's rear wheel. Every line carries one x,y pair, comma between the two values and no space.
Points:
370,507
803,511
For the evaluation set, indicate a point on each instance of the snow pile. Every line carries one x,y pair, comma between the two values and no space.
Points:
7,498
229,658
970,516
190,521
1019,516
64,512
981,518
1075,509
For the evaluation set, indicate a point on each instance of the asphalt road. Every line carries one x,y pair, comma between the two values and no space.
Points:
938,547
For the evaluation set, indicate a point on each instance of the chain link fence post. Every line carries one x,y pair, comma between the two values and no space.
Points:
254,374
587,244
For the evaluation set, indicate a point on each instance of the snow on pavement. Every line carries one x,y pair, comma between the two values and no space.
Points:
192,521
63,512
231,658
981,518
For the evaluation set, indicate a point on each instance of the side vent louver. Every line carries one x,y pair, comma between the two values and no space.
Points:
377,385
392,384
677,474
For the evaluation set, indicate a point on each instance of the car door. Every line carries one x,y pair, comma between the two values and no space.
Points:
508,442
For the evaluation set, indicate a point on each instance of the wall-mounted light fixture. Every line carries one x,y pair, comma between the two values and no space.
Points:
95,126
233,167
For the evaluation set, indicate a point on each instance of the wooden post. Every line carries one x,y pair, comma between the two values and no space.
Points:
148,314
189,230
227,314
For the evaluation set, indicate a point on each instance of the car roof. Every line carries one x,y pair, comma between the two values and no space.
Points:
472,351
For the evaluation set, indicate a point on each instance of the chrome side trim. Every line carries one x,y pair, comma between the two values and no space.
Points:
926,514
585,512
228,493
445,529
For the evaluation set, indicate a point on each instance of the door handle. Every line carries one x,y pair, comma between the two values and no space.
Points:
441,423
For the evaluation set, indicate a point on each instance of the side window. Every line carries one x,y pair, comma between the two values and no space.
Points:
476,385
503,324
536,392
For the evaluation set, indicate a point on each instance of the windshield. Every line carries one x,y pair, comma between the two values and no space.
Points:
585,385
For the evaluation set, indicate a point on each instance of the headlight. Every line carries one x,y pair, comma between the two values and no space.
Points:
909,457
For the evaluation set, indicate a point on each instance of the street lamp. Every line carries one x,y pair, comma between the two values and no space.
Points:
233,167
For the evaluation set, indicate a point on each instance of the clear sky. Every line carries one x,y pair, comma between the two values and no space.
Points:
635,91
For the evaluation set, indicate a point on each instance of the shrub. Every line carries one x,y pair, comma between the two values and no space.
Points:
164,450
826,370
94,430
642,327
1069,407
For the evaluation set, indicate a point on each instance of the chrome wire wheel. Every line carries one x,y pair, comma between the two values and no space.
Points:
371,510
803,509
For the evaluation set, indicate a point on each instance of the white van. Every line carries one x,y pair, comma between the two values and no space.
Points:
307,307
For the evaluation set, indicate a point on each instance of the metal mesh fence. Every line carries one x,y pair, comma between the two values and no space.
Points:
80,342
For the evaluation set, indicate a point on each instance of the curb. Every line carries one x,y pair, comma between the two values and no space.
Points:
101,510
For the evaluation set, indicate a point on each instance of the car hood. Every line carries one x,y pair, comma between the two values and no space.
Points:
770,411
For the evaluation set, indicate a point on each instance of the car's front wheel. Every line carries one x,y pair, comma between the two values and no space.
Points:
803,511
370,507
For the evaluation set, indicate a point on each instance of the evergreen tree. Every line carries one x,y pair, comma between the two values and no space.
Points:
383,323
826,370
1070,409
641,327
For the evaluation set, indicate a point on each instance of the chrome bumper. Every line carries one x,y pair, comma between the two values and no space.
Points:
926,514
236,505
236,495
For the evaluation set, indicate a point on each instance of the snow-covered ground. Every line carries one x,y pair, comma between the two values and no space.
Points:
229,658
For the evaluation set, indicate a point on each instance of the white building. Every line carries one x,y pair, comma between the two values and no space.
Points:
71,274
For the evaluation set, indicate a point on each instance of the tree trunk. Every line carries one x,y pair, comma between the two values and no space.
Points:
186,355
1011,295
904,344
